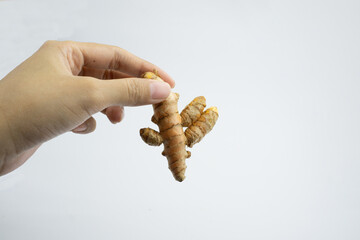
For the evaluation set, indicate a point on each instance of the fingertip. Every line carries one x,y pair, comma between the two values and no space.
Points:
167,78
115,114
172,84
81,128
86,127
159,90
162,74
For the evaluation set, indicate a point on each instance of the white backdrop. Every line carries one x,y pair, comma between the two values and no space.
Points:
283,161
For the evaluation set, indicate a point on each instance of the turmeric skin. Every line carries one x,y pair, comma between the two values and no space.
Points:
193,111
151,137
171,124
201,127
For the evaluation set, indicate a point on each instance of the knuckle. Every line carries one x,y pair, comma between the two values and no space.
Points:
94,96
134,92
66,43
55,43
64,47
49,44
115,63
107,74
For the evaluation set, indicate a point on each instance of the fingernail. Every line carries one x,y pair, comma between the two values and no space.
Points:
80,128
159,90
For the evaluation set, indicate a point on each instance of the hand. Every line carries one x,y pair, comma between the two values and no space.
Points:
59,88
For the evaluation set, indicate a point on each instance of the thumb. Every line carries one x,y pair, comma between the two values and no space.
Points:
134,91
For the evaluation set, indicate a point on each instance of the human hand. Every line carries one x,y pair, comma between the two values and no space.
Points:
59,88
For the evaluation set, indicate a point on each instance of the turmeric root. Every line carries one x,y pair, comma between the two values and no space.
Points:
151,137
201,127
192,111
171,124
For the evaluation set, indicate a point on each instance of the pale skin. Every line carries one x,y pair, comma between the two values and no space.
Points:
61,86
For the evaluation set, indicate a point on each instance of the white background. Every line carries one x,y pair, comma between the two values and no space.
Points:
283,161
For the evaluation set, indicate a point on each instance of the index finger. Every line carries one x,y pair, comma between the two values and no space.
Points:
103,56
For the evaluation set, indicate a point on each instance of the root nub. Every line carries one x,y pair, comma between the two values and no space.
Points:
151,137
